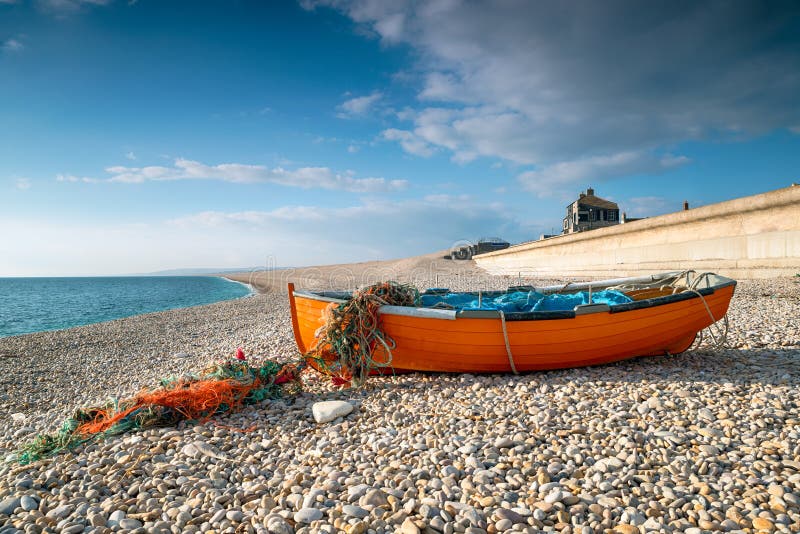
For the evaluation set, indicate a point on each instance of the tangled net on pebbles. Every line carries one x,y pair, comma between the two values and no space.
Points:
351,343
219,389
347,349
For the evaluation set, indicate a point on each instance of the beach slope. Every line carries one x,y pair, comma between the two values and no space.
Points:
704,441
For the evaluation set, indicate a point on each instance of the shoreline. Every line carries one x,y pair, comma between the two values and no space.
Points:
251,289
644,445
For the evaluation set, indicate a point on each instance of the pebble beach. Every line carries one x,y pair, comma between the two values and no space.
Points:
705,441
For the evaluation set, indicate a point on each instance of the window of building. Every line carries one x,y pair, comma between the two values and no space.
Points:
612,215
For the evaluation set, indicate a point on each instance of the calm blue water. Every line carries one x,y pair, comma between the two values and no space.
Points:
36,304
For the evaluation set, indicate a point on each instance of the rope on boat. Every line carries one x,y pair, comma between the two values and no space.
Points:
564,288
720,337
661,283
347,344
718,334
508,345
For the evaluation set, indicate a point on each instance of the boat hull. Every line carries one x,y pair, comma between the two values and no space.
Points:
478,344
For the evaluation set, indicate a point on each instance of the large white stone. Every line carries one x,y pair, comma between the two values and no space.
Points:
308,515
329,410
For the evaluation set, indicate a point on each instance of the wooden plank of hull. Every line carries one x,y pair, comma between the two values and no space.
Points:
486,331
477,345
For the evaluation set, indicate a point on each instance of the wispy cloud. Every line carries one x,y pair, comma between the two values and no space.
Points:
292,235
303,177
564,82
569,174
647,206
358,106
411,142
66,7
23,184
130,155
371,224
13,45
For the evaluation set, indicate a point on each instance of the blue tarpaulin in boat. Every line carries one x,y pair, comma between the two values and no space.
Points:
523,301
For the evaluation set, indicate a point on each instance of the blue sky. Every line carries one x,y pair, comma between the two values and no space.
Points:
147,135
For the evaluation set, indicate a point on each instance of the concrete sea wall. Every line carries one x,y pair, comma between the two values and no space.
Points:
750,237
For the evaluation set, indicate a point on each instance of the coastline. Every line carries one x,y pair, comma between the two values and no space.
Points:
251,291
250,287
622,446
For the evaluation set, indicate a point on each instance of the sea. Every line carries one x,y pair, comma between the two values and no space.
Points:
38,304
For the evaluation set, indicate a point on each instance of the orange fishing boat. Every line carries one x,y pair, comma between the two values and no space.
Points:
663,315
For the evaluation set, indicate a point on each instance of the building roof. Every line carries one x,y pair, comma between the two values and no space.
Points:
597,202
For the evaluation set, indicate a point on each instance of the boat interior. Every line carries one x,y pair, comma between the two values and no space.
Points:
640,292
638,289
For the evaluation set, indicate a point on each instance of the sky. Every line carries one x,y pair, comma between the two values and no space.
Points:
144,135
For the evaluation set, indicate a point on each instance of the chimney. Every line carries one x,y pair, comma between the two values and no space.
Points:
582,195
590,191
685,205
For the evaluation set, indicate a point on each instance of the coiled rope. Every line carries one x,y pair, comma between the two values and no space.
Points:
720,337
351,343
718,334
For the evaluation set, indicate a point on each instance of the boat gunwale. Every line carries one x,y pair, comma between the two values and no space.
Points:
533,316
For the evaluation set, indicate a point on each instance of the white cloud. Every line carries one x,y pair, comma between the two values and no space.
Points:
411,143
130,155
564,82
346,232
648,206
64,7
568,174
322,139
352,149
13,45
71,178
292,235
444,198
358,106
304,177
391,27
23,184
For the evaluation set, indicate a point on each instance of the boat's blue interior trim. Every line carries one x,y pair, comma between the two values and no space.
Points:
548,315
